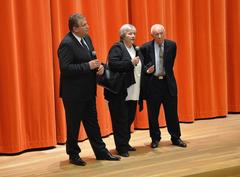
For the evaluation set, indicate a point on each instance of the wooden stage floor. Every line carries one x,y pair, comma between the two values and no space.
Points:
213,150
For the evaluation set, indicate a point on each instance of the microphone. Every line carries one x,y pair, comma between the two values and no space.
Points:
137,48
94,56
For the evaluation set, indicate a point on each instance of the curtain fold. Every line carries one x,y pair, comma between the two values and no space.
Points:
27,102
233,61
206,67
209,58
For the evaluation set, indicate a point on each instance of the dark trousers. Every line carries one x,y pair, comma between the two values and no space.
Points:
131,107
84,111
120,122
159,94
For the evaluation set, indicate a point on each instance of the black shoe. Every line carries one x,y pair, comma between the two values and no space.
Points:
123,154
154,144
107,156
130,148
77,161
179,142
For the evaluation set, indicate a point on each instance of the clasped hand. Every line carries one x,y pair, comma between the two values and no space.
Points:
95,65
100,70
135,61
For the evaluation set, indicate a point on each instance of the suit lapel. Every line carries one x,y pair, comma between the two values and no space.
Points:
74,39
83,49
152,52
78,43
166,48
89,47
88,43
125,50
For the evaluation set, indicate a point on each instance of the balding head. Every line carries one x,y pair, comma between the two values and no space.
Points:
158,33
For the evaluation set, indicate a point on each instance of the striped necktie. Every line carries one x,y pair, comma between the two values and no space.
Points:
83,44
161,62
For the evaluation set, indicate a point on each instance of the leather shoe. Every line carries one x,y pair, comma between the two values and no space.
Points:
154,144
179,142
130,148
77,161
108,156
123,154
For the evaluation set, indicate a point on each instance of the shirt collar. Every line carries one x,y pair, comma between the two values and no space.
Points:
156,44
77,37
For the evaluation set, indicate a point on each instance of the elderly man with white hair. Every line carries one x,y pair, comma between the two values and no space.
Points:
161,88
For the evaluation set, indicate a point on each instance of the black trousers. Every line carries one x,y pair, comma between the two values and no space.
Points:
85,112
122,115
159,94
131,107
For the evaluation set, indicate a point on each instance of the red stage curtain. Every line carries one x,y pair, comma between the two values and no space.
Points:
206,68
26,76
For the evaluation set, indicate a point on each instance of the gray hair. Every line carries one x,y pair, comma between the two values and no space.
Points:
124,28
74,20
156,26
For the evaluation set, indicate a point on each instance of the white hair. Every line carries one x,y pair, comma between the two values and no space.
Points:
124,28
155,26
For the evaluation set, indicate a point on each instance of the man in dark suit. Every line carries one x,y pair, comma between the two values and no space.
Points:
161,88
78,89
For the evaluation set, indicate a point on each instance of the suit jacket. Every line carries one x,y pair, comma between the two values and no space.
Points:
169,56
119,60
77,81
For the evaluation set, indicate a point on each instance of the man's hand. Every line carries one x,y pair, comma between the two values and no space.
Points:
100,70
94,64
151,69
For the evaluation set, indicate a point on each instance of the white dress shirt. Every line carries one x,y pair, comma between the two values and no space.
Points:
80,39
159,68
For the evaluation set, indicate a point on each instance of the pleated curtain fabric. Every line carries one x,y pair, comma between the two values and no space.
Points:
31,112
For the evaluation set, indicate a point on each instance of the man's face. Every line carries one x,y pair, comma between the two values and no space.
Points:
82,29
158,34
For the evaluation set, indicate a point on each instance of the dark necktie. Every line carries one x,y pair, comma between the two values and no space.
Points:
161,67
83,44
